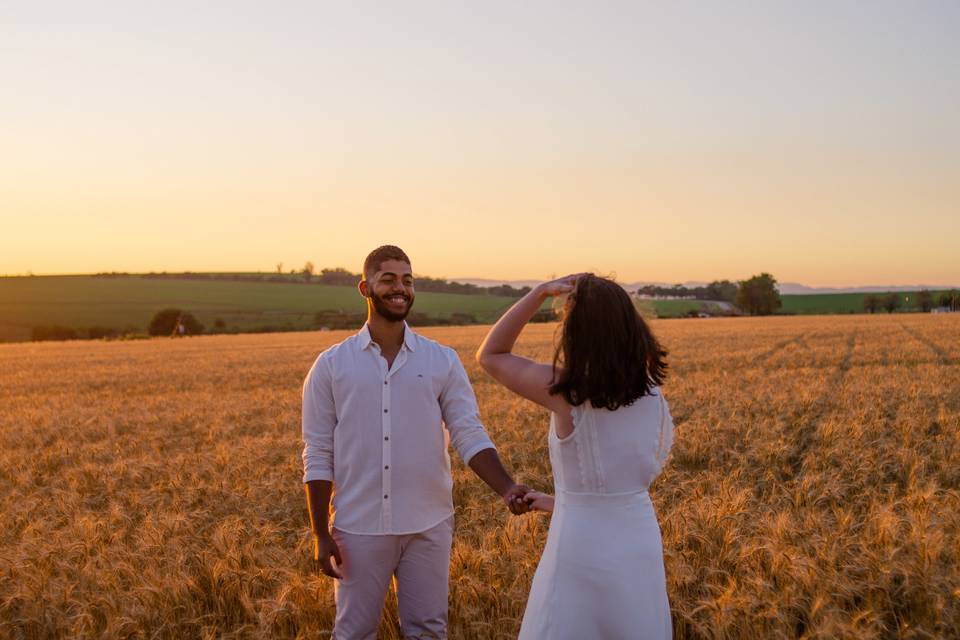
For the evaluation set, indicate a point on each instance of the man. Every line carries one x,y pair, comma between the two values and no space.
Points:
379,410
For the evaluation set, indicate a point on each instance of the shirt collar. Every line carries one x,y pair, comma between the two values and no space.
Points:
409,337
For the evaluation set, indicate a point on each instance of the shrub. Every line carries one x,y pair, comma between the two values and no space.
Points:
52,332
891,302
98,333
339,319
544,315
164,322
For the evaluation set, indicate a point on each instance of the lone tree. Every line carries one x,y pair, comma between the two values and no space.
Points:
165,322
891,302
871,303
759,296
308,270
925,300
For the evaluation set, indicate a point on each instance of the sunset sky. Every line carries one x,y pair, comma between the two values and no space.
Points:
818,141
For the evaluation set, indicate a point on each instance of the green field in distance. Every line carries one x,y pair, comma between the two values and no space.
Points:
797,304
127,303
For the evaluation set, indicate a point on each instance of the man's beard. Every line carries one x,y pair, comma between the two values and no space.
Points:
386,313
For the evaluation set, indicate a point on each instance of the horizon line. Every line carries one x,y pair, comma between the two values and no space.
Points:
462,280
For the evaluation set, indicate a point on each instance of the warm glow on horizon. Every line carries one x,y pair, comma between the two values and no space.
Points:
682,143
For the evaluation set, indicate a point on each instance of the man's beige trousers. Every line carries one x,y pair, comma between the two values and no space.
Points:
421,564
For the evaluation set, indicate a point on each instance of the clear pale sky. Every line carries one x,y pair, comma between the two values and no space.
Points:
819,141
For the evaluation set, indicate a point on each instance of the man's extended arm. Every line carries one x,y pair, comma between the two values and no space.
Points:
458,404
487,465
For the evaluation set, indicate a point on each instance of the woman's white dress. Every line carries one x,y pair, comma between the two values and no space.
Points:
601,574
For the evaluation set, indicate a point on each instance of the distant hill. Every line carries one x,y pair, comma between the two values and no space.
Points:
802,289
790,288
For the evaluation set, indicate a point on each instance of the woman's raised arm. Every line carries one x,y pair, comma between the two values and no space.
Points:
521,375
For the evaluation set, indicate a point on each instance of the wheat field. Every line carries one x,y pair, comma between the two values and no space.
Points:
152,489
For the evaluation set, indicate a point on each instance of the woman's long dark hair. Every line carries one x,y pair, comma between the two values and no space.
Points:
607,353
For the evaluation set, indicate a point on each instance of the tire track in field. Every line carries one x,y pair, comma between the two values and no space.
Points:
806,432
942,356
885,355
799,340
764,356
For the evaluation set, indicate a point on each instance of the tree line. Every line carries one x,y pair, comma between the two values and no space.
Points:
925,301
757,295
723,290
336,276
342,277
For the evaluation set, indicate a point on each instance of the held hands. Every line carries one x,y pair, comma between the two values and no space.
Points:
538,501
522,499
514,499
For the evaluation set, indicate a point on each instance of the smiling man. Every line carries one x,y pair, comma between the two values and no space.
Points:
379,410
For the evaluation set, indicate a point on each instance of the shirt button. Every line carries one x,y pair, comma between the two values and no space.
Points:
386,410
385,497
386,437
386,467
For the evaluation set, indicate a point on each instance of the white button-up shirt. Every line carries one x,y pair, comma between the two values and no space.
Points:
381,435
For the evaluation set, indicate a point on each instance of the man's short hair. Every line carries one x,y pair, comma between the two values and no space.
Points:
380,255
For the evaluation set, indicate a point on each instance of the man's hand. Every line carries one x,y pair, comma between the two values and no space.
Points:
513,498
325,548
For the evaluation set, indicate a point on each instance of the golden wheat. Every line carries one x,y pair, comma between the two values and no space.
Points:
152,489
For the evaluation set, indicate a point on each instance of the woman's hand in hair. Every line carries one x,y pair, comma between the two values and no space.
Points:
560,286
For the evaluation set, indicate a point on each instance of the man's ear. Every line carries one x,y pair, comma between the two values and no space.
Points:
364,288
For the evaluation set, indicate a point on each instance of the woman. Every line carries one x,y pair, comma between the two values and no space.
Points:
601,574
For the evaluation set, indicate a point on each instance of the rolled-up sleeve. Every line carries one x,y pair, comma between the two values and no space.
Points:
319,421
461,415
